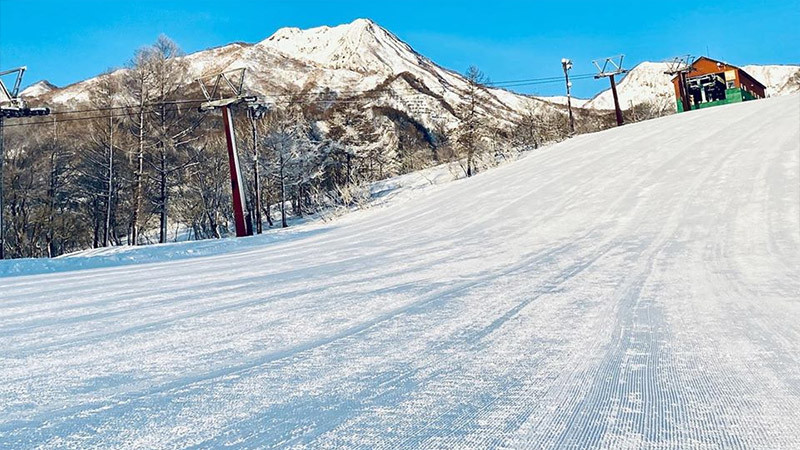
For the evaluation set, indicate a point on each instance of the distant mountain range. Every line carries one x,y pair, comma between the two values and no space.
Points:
365,62
359,60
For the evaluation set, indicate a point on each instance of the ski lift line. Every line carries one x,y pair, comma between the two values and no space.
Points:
517,83
559,78
522,82
127,113
72,119
112,108
411,93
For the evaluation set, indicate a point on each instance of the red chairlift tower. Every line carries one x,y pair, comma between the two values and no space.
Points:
222,91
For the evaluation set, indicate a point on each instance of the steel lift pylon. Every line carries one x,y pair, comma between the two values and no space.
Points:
222,82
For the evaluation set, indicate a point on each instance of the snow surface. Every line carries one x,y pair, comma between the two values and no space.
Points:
636,287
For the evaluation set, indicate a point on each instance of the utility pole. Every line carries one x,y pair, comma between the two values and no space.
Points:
608,69
681,66
110,191
217,98
11,106
567,65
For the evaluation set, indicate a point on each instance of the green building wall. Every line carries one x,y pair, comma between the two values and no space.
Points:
734,95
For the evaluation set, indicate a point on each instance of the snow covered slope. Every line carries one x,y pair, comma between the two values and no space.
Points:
647,82
632,288
562,100
644,83
779,79
38,88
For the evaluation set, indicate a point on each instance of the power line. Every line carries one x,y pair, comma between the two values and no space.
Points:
491,84
411,92
535,80
111,108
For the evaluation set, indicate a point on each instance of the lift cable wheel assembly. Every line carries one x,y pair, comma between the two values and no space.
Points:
681,66
222,91
11,106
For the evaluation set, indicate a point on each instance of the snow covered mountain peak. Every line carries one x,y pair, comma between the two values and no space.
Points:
293,39
359,58
38,88
360,46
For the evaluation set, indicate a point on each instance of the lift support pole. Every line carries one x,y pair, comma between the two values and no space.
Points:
679,67
609,67
224,92
237,185
617,109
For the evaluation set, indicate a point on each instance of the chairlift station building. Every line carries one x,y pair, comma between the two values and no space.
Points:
711,83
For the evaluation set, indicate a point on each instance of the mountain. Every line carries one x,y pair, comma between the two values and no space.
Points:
562,100
647,82
368,64
39,88
632,288
779,79
360,61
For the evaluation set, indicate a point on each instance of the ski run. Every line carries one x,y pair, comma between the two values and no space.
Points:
633,288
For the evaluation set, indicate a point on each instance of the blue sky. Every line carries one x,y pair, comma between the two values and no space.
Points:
66,41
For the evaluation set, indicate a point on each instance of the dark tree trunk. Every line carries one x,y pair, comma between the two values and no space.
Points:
283,195
162,203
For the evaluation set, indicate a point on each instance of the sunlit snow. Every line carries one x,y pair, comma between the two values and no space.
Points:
636,287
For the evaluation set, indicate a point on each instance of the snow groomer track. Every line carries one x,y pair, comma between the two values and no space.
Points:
637,287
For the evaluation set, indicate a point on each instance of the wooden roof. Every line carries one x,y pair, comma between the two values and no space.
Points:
728,65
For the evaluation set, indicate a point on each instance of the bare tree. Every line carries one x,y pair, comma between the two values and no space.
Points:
172,126
139,84
528,132
98,175
470,131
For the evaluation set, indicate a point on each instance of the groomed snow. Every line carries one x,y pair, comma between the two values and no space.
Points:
632,288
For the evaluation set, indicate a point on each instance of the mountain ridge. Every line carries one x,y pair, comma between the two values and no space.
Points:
357,57
348,59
